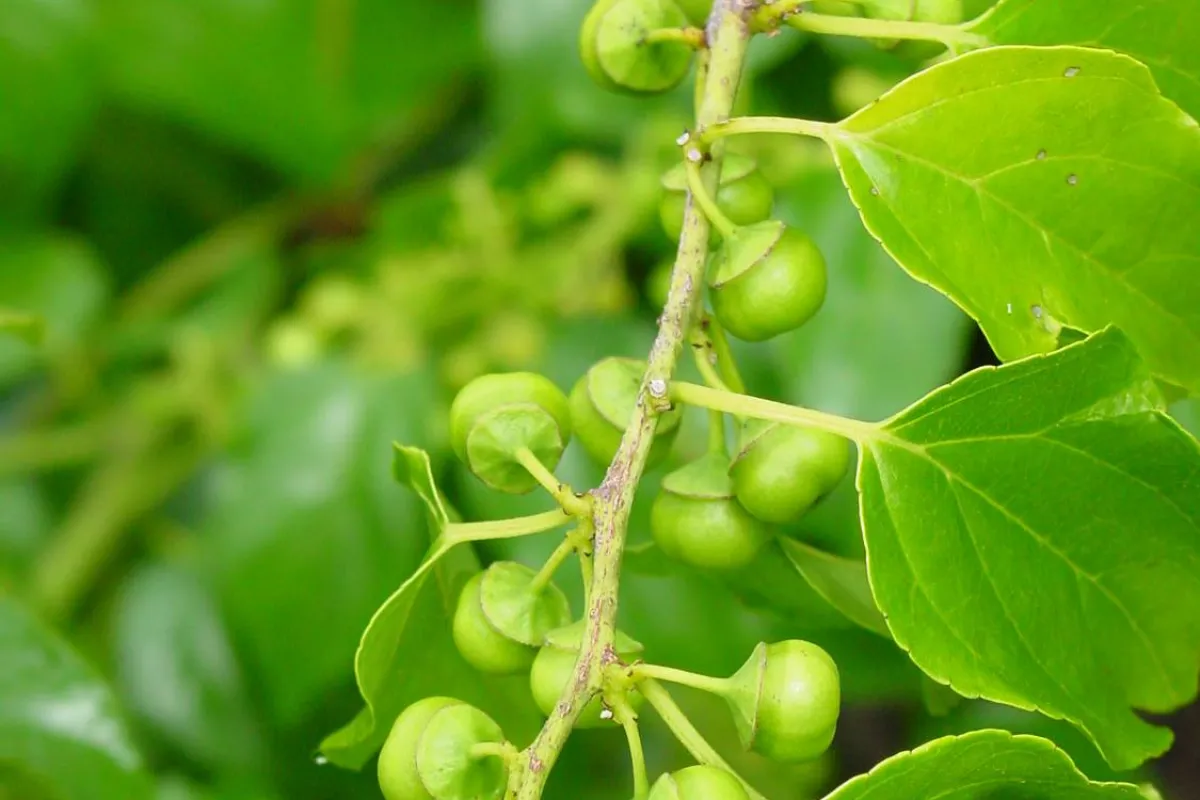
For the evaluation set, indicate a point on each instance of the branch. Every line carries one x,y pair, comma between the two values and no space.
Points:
728,36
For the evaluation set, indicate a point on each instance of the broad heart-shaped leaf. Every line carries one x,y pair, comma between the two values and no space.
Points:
1040,187
407,653
841,581
1162,34
982,765
61,734
1033,538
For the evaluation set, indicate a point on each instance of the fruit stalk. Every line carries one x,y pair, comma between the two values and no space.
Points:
729,35
671,714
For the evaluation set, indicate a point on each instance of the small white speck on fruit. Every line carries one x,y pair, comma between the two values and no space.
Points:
695,156
1073,179
658,388
1071,72
684,138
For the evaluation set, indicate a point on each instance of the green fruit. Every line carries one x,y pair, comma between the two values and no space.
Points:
614,51
696,520
500,621
701,782
554,669
602,404
495,415
785,700
782,470
766,279
427,754
744,195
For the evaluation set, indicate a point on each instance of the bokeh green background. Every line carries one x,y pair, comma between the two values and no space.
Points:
270,237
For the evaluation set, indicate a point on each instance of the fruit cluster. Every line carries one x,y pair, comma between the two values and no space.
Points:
510,430
715,513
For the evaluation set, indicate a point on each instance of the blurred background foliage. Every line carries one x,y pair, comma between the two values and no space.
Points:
265,239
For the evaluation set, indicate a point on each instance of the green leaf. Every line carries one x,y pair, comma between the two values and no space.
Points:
406,652
973,715
1033,538
984,765
1159,33
48,80
177,670
306,531
60,729
841,581
303,84
57,280
1011,180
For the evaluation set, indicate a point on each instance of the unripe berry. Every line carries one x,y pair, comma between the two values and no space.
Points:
696,520
782,470
602,405
785,700
554,669
701,782
766,279
427,754
614,50
495,415
744,195
500,620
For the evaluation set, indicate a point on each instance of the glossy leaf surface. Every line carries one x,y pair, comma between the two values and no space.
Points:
1162,34
177,670
984,765
61,733
1012,180
1033,537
